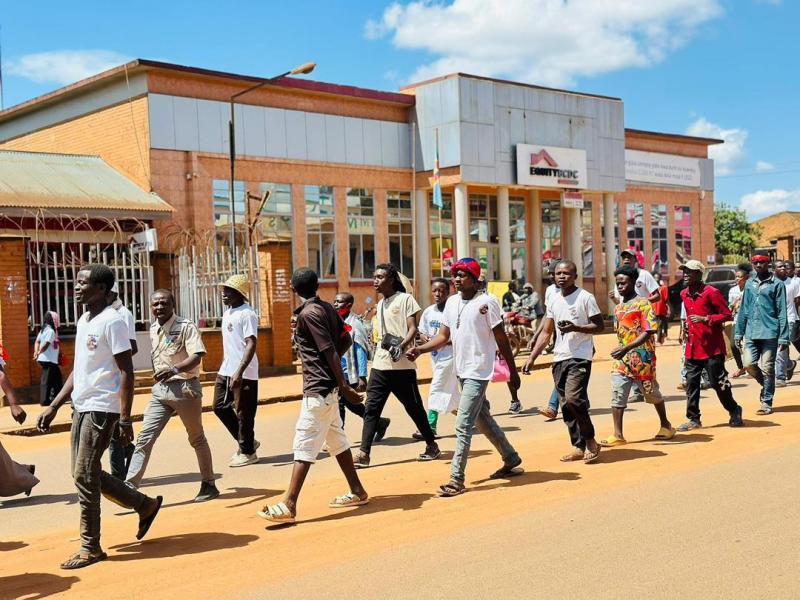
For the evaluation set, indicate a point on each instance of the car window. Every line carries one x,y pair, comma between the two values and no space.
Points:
718,275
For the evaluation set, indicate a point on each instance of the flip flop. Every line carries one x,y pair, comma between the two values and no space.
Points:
76,561
508,470
590,457
548,413
665,433
144,524
573,456
612,441
349,499
451,489
277,513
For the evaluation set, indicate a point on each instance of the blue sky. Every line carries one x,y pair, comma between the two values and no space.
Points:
718,68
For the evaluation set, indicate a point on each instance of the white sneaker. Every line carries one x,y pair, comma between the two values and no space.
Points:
242,460
256,446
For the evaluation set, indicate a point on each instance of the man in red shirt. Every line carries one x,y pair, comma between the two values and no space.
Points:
706,311
661,308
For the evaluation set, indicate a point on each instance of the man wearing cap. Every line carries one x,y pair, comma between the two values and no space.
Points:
473,322
764,326
236,388
706,312
646,284
784,366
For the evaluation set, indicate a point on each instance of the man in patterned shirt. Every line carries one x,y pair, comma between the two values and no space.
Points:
635,358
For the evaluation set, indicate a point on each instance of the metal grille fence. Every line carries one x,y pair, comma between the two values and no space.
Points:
53,266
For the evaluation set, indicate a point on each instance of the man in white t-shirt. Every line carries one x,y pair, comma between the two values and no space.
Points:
646,284
236,387
473,322
101,387
784,366
392,372
791,273
574,315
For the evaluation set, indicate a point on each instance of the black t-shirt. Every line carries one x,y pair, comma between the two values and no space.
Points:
319,328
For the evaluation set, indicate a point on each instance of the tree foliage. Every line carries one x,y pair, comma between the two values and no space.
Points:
733,234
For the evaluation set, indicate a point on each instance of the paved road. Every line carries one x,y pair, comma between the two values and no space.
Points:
712,513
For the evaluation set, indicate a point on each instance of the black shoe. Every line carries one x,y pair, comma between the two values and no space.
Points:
432,452
736,418
380,430
208,491
515,408
790,370
144,524
417,436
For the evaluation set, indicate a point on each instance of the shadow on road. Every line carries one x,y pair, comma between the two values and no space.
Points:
9,546
614,455
180,545
684,438
750,424
174,478
446,456
526,478
35,585
792,408
250,495
43,499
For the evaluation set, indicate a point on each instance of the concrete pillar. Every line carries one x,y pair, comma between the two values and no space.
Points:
422,260
610,245
535,206
461,208
504,233
575,241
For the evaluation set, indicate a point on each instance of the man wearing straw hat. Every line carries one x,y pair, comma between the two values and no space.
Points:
236,388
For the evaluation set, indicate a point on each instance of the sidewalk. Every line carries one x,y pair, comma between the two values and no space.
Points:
279,388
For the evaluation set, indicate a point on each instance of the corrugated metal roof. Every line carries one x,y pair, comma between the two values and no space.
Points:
68,181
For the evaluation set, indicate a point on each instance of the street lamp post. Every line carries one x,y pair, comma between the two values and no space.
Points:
303,69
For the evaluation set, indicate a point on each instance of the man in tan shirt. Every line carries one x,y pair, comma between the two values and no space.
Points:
177,350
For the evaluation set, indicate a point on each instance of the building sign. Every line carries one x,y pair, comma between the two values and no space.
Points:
144,241
665,169
572,199
548,166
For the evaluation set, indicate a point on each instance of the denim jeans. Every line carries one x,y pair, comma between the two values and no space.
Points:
89,437
552,404
782,360
184,398
473,410
763,352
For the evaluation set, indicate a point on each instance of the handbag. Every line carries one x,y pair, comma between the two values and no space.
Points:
501,373
391,343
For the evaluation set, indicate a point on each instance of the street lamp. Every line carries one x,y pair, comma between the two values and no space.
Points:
303,69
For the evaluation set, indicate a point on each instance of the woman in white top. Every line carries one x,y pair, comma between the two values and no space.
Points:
46,352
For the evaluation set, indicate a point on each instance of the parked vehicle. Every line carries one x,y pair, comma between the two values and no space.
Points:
718,276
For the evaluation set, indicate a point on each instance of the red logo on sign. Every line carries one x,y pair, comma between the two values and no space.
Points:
543,155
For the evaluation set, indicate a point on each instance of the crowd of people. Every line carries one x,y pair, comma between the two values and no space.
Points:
344,355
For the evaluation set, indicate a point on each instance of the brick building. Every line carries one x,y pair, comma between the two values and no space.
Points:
779,235
351,168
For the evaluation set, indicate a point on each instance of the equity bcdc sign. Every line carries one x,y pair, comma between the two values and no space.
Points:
548,166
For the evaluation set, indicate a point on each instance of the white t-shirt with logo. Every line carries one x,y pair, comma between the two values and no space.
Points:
646,284
429,324
395,309
238,324
95,375
551,289
471,323
47,334
578,307
792,291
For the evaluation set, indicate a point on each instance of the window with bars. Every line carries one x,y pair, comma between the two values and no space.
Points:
659,232
683,233
401,231
796,251
361,228
320,231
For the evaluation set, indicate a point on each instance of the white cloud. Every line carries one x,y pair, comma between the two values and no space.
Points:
726,156
763,166
549,42
63,66
767,202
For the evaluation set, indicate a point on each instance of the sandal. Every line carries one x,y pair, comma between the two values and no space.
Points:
349,499
548,413
277,513
144,524
78,561
612,441
665,433
453,488
509,469
573,456
589,457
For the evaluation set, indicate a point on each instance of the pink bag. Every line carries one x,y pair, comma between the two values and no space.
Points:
501,372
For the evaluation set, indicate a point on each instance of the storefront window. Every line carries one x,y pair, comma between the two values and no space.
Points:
683,233
441,235
275,222
401,231
222,209
361,227
519,258
551,230
320,229
634,218
483,233
587,239
659,233
796,251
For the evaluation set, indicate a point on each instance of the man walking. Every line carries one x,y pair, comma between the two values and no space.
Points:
236,388
634,363
763,324
101,387
646,284
784,366
575,317
473,322
321,339
706,311
176,352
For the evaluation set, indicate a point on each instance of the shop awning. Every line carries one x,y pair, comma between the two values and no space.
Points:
72,184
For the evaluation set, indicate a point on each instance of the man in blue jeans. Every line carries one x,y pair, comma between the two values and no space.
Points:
763,324
473,322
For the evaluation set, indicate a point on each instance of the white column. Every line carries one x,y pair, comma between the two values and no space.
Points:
576,241
461,208
504,233
610,250
535,206
422,259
